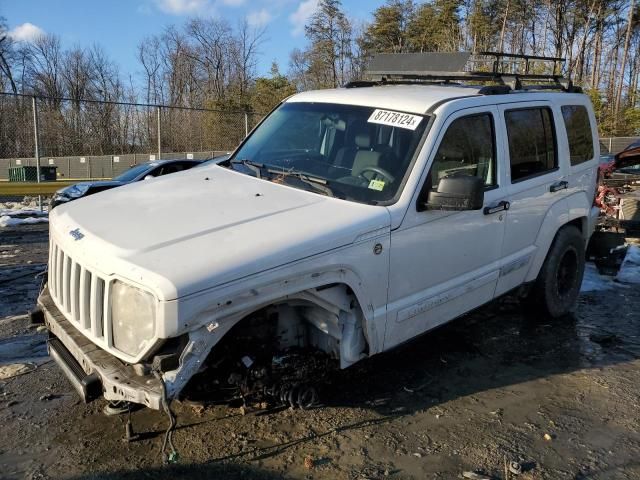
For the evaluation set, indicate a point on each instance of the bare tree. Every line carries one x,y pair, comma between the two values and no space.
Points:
625,52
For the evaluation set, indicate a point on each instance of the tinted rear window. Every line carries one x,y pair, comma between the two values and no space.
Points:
576,121
532,146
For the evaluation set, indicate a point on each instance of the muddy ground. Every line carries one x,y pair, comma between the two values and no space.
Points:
559,397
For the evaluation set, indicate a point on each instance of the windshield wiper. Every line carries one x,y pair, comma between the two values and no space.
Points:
318,184
250,164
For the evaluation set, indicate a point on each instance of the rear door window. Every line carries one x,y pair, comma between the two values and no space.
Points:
578,126
532,142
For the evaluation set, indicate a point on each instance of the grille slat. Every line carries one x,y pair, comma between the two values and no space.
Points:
106,317
75,291
81,295
85,293
53,251
59,259
66,285
96,306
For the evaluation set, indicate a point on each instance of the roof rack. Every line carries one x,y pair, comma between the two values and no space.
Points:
509,71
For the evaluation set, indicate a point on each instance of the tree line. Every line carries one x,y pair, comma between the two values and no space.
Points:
212,63
600,40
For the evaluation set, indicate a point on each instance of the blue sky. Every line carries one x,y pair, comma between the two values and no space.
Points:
119,25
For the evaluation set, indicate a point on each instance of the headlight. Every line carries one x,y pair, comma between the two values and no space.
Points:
133,314
74,191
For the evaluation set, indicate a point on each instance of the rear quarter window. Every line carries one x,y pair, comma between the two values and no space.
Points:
578,126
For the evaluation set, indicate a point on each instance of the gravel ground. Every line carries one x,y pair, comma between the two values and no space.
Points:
560,397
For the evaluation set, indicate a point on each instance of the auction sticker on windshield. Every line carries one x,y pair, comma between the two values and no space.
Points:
395,119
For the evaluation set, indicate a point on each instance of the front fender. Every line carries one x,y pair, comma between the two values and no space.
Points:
209,315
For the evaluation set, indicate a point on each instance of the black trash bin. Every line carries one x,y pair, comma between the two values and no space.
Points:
27,173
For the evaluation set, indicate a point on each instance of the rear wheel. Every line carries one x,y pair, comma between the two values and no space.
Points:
557,287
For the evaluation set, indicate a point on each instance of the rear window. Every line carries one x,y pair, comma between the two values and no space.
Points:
532,145
576,121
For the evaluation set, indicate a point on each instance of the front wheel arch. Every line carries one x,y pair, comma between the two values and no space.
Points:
336,299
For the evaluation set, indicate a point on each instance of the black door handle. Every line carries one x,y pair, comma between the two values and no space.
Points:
498,207
561,185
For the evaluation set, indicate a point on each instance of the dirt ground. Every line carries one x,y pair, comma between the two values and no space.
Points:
561,398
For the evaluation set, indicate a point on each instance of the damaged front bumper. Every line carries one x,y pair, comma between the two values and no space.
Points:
90,369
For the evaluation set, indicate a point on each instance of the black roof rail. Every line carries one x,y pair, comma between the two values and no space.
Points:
511,72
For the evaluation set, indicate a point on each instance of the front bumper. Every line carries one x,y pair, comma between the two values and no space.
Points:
119,380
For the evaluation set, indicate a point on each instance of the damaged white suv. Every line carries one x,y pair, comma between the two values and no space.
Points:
349,221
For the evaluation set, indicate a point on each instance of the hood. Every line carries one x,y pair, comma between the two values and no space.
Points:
197,229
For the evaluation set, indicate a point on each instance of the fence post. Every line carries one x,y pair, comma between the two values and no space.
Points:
36,143
246,124
610,143
159,136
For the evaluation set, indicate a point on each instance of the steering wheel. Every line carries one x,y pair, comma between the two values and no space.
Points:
380,171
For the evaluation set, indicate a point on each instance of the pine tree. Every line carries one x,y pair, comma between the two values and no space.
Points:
388,33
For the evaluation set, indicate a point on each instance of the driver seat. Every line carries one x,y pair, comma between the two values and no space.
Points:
360,157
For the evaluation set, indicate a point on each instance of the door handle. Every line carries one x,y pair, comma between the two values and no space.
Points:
561,185
498,207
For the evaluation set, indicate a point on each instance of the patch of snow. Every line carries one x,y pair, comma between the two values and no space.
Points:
593,281
28,206
10,221
629,273
21,211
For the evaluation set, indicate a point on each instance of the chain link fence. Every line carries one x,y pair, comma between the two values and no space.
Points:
92,139
71,140
617,144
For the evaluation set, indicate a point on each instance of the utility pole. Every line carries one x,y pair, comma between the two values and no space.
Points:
159,136
36,142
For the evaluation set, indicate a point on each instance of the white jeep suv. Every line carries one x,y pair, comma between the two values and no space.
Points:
349,221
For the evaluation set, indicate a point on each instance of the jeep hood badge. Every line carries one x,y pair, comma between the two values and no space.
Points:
76,234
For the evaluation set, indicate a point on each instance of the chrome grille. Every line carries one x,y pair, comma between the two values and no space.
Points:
81,295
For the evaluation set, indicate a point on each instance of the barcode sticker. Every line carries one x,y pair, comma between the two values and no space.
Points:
395,119
376,185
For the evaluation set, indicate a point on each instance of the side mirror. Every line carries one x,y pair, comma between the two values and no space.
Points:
148,177
457,193
627,158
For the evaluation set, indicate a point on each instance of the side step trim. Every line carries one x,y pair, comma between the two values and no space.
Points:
89,387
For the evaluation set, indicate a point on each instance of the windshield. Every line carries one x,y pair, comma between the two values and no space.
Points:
356,153
132,173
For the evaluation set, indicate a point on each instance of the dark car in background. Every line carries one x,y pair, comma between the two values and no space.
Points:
632,169
142,171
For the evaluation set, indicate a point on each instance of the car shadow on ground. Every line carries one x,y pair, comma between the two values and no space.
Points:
184,472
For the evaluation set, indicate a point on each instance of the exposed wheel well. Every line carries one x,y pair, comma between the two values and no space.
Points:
327,318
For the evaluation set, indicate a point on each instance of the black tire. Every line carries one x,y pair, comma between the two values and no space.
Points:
557,287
